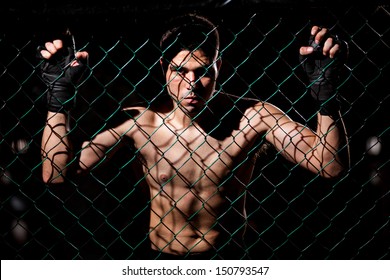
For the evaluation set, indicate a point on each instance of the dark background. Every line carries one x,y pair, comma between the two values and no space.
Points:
291,214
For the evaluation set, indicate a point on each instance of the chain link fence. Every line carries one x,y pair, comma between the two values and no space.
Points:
291,214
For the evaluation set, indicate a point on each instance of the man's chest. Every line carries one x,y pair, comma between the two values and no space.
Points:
191,150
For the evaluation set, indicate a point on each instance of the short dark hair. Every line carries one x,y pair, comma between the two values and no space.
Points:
189,32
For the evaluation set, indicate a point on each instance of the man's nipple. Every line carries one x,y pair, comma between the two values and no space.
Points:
163,178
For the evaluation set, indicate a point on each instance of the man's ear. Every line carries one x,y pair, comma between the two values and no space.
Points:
219,63
162,64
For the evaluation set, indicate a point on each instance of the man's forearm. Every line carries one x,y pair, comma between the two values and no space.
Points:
56,151
332,149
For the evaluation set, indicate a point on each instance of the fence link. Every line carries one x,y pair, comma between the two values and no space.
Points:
291,214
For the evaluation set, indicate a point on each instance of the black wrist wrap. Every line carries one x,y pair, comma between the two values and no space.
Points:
61,79
60,94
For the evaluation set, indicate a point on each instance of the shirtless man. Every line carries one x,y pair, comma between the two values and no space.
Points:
196,147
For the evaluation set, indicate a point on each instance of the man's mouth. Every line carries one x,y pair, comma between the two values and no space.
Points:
191,99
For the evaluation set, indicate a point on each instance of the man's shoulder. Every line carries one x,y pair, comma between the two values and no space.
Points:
143,113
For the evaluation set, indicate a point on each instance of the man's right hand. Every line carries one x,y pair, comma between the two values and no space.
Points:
322,61
61,70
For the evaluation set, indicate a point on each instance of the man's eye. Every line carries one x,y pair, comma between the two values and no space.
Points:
176,69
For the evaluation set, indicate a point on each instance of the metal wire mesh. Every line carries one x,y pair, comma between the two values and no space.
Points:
291,214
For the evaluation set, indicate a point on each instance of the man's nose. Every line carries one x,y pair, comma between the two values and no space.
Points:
191,78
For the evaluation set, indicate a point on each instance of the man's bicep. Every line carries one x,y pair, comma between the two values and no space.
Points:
100,148
105,144
293,140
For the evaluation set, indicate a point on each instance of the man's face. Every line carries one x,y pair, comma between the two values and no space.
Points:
191,78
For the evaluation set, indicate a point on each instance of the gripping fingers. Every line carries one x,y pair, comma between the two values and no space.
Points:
333,51
330,47
45,54
315,29
80,57
51,48
328,44
57,44
318,33
306,50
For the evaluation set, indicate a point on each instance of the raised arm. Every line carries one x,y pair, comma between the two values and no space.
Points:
323,151
320,151
61,70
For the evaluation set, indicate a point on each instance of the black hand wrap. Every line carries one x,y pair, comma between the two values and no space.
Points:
61,79
323,73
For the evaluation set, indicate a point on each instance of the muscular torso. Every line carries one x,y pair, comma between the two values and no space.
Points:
197,180
198,168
